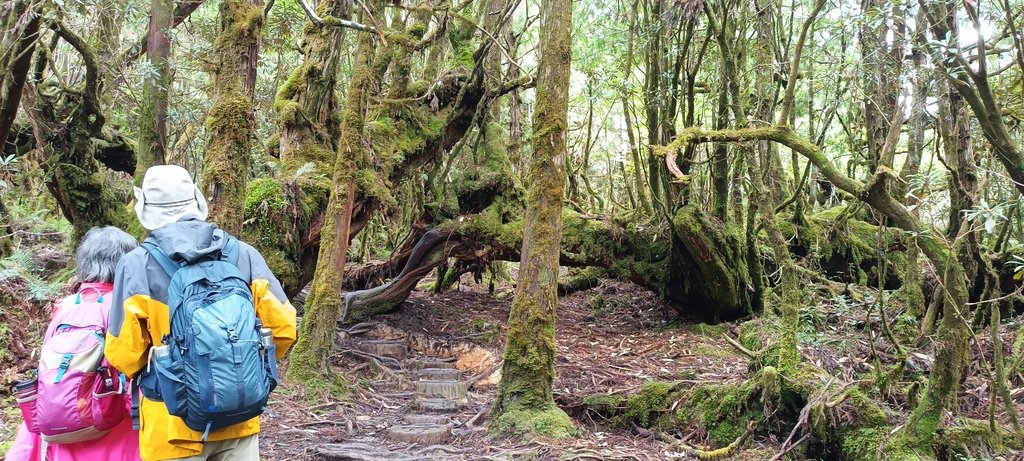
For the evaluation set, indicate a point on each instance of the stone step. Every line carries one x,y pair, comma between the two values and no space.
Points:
427,419
439,373
422,363
437,404
449,389
397,350
420,434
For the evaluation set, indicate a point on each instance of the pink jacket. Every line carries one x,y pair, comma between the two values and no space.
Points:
120,444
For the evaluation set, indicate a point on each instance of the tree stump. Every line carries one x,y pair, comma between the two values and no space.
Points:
445,374
420,434
427,419
424,363
450,389
384,348
436,404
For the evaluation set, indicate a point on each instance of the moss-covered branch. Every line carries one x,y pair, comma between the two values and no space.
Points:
951,341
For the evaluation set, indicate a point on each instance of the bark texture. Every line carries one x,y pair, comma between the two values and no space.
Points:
525,402
311,357
156,89
230,122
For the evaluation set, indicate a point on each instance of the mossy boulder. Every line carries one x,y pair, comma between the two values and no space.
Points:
550,422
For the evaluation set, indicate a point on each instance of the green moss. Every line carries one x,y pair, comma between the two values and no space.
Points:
847,246
751,333
723,410
708,331
320,387
862,444
606,404
550,422
651,404
970,434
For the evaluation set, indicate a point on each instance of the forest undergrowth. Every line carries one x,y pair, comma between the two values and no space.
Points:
639,381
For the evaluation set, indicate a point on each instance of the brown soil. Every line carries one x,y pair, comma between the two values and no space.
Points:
611,338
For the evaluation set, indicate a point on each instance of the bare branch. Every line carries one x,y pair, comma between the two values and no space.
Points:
337,22
794,69
310,13
182,11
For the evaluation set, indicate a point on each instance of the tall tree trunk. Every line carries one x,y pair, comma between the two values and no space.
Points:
18,47
310,362
307,114
525,401
515,107
306,105
720,161
6,231
230,124
763,51
912,291
634,150
110,17
152,148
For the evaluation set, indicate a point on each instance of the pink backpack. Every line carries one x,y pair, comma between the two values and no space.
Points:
79,396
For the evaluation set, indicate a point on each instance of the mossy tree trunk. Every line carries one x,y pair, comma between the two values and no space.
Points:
152,149
230,124
307,114
912,291
74,142
6,231
525,401
311,357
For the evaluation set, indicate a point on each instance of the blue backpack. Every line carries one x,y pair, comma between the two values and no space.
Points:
219,367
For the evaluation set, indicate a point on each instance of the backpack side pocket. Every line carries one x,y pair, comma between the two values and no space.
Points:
27,405
168,373
108,408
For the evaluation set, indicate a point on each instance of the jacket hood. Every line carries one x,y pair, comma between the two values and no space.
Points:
189,240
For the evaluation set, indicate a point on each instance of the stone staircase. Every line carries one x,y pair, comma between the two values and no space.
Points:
440,389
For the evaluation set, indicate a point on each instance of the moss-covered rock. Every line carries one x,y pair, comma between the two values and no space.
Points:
549,422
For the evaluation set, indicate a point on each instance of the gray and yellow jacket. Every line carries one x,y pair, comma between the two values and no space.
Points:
139,318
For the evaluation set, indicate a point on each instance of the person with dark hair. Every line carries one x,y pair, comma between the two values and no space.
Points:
198,322
77,407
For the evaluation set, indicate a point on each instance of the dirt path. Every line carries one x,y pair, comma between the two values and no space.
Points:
424,379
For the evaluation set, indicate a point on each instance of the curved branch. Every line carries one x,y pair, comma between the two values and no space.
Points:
90,96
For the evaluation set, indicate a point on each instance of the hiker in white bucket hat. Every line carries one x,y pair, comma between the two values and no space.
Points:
182,263
168,195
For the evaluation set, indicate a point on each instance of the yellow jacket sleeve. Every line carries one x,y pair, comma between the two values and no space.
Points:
276,314
128,338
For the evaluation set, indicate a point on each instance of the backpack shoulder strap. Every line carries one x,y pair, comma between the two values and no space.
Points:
231,251
170,267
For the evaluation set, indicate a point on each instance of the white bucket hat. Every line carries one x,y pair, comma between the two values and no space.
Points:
168,195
